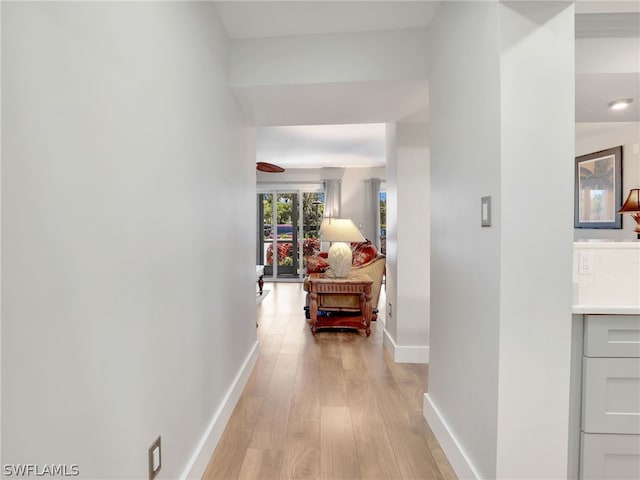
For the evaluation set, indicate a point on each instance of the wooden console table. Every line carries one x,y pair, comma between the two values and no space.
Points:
321,284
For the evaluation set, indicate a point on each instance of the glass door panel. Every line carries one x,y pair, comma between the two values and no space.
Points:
287,231
265,233
383,222
312,211
287,234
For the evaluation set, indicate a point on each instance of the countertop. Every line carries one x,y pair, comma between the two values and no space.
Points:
607,310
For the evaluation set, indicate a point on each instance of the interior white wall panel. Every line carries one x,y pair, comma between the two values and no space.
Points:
128,201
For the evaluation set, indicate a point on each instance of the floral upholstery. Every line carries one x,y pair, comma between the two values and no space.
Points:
366,261
317,263
363,253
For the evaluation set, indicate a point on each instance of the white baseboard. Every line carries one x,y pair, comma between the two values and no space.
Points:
207,445
456,456
405,353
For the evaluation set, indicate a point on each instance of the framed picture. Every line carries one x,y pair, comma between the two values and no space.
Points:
598,189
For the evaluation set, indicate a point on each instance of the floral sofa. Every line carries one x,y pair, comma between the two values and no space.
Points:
367,261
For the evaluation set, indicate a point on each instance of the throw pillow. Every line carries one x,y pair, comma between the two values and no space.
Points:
316,264
364,252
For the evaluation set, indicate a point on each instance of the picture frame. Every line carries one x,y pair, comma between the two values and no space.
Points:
598,189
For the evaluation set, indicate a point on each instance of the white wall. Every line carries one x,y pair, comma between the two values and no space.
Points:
501,296
354,197
127,201
337,78
593,137
329,58
409,343
391,275
593,55
536,238
465,258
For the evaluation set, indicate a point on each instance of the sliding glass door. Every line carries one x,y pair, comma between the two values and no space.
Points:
287,231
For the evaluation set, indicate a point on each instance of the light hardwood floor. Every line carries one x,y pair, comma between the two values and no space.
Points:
333,406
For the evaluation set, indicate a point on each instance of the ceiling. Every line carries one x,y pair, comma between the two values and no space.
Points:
599,79
355,145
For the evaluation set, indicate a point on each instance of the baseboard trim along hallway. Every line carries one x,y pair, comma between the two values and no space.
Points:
202,454
405,353
456,456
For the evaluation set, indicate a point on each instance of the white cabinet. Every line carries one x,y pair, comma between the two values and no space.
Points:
610,439
612,336
611,395
610,456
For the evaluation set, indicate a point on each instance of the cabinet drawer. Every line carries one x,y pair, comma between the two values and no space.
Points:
612,336
611,395
610,457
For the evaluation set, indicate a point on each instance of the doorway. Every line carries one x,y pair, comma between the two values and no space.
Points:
287,231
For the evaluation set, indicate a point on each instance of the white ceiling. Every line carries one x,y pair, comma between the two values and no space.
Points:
360,145
597,82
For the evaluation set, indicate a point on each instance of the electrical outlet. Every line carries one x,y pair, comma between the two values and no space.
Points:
585,263
155,459
390,310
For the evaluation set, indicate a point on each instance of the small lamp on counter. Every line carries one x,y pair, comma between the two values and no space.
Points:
632,206
339,231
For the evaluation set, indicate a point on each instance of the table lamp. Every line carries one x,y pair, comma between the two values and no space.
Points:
325,221
339,231
632,206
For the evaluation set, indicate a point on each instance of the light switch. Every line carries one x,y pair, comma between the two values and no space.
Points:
156,458
485,213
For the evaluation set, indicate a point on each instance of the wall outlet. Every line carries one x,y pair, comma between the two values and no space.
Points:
390,310
585,263
155,459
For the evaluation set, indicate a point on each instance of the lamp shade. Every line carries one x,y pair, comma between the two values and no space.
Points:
340,230
325,221
632,204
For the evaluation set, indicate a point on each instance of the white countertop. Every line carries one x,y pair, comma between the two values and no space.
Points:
607,310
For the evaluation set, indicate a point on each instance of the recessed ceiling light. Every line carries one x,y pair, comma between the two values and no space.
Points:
620,104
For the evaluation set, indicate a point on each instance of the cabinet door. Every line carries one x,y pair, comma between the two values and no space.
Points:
611,395
610,457
612,336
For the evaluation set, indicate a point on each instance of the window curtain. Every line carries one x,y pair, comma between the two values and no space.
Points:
332,198
373,210
332,202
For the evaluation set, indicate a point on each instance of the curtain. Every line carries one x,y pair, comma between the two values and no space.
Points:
373,210
332,198
332,202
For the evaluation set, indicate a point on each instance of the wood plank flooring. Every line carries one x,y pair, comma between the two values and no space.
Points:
333,406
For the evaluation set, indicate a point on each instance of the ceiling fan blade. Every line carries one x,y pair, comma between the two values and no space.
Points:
269,167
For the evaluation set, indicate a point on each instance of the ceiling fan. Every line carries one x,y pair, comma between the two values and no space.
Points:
269,167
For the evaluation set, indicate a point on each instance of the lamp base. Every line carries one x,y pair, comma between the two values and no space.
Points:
636,217
339,259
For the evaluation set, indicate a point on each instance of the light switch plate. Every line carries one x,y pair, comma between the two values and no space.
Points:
485,212
155,458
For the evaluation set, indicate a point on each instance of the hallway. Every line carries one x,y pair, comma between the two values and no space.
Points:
330,407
